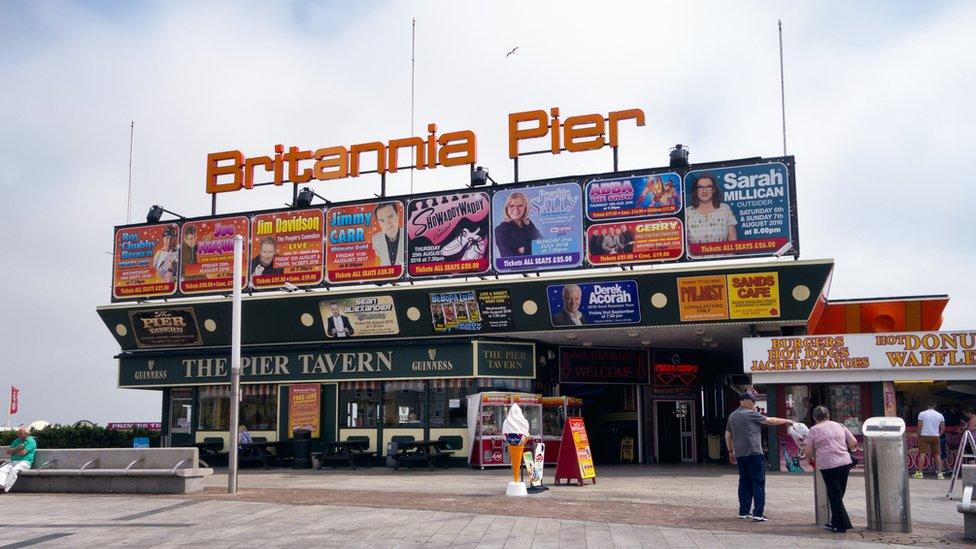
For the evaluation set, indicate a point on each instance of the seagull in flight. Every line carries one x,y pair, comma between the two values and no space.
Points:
511,52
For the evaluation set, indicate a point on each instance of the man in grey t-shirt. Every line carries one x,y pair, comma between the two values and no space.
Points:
743,436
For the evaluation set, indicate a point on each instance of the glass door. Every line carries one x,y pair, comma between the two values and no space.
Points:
180,421
686,421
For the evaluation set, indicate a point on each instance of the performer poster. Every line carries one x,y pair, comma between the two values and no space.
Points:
365,242
287,247
630,197
448,235
585,304
473,310
359,316
738,211
538,228
146,261
207,254
635,242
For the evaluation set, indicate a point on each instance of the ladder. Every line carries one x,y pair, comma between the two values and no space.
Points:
967,450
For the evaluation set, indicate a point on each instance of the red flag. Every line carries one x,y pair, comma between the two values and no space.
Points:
14,393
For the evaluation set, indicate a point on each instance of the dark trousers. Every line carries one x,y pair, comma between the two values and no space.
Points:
835,480
752,484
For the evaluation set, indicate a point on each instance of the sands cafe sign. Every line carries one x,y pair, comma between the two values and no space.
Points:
230,171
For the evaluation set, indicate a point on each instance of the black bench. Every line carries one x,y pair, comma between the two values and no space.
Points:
347,451
421,451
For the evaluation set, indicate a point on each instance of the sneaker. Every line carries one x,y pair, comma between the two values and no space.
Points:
918,474
940,476
759,518
746,516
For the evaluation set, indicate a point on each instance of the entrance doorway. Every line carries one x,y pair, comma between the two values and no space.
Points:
675,433
180,420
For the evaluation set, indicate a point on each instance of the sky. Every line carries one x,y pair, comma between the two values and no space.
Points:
879,115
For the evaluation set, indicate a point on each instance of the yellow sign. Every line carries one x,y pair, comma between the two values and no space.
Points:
702,298
583,454
627,449
754,295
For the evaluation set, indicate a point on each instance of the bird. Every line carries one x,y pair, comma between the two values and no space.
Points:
511,52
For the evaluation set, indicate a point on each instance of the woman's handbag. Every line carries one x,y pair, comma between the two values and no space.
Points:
854,460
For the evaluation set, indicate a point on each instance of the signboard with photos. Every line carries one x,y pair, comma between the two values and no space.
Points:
716,211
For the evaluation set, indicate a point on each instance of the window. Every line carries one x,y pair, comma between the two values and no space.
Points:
259,408
799,405
403,404
845,406
449,402
359,404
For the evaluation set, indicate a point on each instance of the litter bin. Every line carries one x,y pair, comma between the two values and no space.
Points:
392,449
301,446
886,476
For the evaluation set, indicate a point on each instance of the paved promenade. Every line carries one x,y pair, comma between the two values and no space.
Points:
628,507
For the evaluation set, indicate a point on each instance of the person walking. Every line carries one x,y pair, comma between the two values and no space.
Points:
829,445
743,437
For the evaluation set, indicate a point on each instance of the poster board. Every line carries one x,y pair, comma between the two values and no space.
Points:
304,406
575,461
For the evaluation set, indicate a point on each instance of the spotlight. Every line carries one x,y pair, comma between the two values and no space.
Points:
679,157
480,177
156,212
305,196
289,287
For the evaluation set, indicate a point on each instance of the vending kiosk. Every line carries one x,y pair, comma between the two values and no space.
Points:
486,413
555,410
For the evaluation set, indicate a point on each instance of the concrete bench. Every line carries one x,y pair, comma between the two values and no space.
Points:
114,471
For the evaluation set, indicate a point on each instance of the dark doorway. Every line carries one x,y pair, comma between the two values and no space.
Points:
668,427
610,414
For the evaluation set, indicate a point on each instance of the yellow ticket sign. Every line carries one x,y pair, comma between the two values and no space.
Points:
754,295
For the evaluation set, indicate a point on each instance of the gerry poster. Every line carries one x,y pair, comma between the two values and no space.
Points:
207,254
448,234
364,242
146,261
537,228
738,211
287,247
635,241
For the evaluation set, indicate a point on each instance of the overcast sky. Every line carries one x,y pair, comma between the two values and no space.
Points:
879,99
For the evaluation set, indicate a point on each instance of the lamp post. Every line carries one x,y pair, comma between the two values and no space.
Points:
235,365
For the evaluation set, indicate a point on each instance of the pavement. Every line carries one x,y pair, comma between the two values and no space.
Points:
629,506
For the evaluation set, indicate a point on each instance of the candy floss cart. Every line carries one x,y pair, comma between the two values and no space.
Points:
486,415
555,410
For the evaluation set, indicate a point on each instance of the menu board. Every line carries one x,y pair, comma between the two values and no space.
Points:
304,408
635,242
632,197
575,460
364,242
591,303
287,247
738,211
359,316
537,228
472,311
146,261
207,254
448,234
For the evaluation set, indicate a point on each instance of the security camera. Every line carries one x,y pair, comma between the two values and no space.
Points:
289,287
